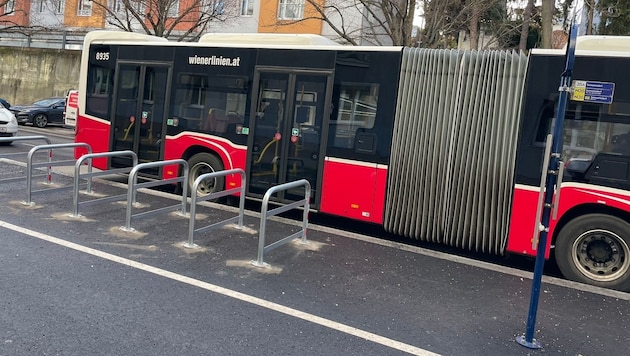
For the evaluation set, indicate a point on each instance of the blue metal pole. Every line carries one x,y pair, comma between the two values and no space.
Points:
528,340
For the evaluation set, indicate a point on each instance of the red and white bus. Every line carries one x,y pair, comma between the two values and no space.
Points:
437,145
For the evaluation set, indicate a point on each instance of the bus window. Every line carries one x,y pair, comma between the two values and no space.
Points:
591,132
544,124
223,112
189,99
356,111
208,107
99,89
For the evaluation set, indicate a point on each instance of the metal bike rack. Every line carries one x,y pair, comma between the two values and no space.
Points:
215,195
20,138
89,175
133,186
264,215
30,165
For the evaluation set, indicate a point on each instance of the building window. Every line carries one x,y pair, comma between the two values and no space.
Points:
173,10
85,8
214,7
138,6
9,7
55,6
291,10
116,6
133,6
218,7
248,8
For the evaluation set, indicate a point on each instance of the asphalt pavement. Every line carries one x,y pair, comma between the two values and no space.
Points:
82,285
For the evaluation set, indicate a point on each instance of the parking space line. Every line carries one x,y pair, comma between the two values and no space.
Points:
384,341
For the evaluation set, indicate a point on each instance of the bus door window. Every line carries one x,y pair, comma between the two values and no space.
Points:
126,106
152,113
285,143
306,118
268,131
140,102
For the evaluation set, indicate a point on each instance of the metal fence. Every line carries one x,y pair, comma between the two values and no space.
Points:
45,39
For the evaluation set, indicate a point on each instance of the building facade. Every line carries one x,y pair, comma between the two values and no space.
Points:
241,16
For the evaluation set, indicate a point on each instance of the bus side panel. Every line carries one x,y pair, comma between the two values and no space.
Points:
233,156
347,190
86,130
522,220
573,195
379,194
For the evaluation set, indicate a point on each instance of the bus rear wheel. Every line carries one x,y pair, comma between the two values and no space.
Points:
203,163
595,249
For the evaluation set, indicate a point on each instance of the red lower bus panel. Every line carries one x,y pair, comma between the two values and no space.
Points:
86,131
525,203
352,189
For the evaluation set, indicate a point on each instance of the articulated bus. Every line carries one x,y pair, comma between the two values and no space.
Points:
437,145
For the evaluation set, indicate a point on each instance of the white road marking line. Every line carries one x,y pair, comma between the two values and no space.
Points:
227,292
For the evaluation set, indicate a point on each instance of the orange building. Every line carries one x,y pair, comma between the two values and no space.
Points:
83,14
283,16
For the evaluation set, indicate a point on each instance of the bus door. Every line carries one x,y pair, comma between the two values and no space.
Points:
140,107
286,133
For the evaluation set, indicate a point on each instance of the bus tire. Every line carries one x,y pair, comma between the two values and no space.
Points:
595,249
203,163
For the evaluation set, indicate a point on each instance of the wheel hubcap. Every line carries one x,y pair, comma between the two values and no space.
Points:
206,186
601,255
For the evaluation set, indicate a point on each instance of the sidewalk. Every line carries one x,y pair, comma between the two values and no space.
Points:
425,299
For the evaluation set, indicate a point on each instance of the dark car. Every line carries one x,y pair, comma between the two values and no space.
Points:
41,113
5,103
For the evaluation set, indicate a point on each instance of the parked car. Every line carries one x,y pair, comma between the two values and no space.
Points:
41,113
8,124
5,103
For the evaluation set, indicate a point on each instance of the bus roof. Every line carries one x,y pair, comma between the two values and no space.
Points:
612,46
268,38
234,40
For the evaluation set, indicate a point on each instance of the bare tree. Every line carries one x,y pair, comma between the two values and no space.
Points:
377,22
443,20
447,20
489,13
184,20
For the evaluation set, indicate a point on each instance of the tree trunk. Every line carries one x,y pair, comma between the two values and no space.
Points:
547,22
527,16
591,9
473,25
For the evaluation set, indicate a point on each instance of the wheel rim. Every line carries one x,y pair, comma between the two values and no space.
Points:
40,121
601,255
206,186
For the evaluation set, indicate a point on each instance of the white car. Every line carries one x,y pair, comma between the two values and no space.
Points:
8,125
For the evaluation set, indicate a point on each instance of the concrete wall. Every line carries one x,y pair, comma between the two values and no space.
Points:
30,74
